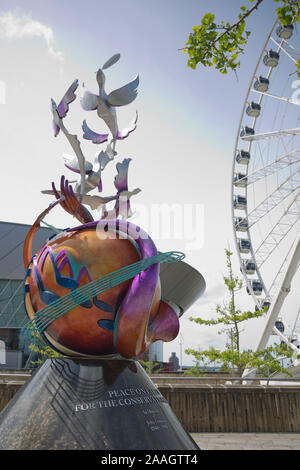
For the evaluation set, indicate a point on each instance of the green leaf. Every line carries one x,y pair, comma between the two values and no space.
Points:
206,41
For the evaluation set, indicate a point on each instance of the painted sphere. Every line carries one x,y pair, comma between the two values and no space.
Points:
73,259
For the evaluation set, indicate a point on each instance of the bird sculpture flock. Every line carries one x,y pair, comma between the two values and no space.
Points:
90,173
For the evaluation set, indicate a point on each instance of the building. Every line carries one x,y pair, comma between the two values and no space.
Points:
14,350
174,362
157,350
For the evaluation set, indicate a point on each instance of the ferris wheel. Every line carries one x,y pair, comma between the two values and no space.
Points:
266,185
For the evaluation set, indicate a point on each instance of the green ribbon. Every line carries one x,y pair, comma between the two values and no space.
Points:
73,299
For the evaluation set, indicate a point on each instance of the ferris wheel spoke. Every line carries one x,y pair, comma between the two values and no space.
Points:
283,161
278,301
269,135
275,284
291,47
279,231
287,187
296,322
282,98
280,47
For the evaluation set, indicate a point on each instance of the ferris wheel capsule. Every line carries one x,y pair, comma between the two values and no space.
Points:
246,131
241,224
240,180
295,342
253,109
279,325
285,31
261,84
264,306
249,266
256,287
244,245
240,202
243,157
271,58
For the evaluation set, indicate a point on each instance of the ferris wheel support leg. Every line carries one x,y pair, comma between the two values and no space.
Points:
284,290
277,304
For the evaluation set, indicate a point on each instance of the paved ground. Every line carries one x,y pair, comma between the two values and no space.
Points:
247,441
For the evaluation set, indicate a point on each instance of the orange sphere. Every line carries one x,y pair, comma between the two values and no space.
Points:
84,256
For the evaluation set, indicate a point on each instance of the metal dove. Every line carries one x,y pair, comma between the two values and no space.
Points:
122,204
59,112
106,104
93,171
96,138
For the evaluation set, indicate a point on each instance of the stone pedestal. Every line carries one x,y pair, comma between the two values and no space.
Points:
108,404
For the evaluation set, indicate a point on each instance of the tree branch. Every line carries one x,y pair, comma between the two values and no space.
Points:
227,30
237,23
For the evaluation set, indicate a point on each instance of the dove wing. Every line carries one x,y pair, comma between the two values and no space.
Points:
93,136
49,191
55,128
111,61
121,179
96,201
68,98
72,164
124,95
125,132
101,161
93,201
89,101
124,208
56,118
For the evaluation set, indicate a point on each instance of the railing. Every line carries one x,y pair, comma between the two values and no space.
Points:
160,380
13,374
14,378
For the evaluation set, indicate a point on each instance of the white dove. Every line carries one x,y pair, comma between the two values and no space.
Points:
104,103
93,171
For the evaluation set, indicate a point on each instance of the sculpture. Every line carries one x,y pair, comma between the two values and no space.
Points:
94,290
93,293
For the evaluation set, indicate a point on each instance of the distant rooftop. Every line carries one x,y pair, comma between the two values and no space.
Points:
12,236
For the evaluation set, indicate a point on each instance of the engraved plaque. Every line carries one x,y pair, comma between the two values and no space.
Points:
81,404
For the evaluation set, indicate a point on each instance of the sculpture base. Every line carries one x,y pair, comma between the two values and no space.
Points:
108,404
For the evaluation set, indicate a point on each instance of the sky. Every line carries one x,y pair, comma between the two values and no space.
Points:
182,149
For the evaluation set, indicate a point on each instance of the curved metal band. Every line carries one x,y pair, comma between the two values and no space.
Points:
73,299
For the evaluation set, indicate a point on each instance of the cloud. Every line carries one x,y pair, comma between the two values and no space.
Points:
214,292
206,305
17,27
